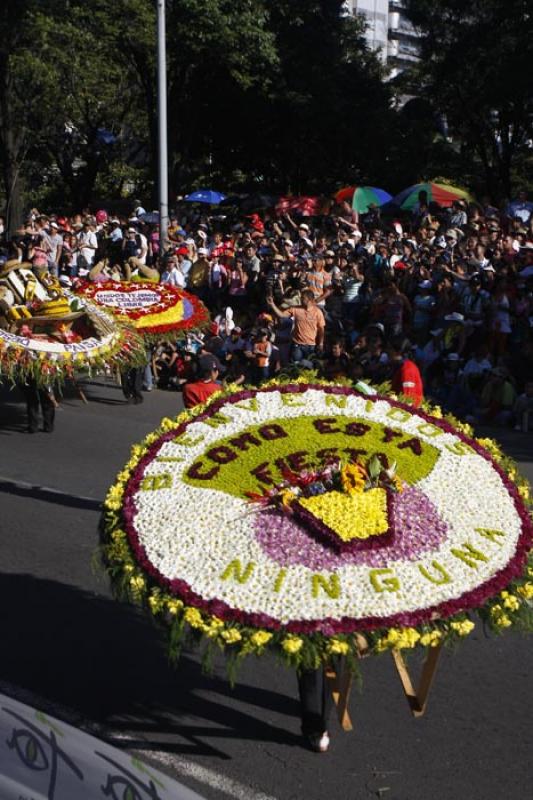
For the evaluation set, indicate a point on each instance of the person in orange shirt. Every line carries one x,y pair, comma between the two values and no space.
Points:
309,326
262,351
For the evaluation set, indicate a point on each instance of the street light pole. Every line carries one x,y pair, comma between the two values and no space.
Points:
162,123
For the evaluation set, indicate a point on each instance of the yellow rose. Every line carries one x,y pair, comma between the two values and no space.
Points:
173,606
260,638
526,591
499,617
503,621
292,644
462,628
337,647
393,636
231,636
194,618
408,638
523,491
512,603
156,603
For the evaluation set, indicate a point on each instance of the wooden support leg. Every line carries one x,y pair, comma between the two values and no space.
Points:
418,699
340,687
80,392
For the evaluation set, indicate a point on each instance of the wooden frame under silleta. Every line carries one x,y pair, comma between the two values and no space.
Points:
340,683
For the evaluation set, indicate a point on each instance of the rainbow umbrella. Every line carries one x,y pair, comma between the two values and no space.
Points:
364,196
345,194
439,193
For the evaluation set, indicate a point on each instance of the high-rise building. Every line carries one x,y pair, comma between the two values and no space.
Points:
388,31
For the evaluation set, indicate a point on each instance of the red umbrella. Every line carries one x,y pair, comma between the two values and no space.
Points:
345,194
306,206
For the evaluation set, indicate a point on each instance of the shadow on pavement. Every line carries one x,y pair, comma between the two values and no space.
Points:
50,496
12,411
107,661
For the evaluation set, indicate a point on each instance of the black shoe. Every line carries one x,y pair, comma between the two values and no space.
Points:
48,430
32,430
139,399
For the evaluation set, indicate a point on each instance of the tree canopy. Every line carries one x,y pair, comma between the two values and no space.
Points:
279,96
476,69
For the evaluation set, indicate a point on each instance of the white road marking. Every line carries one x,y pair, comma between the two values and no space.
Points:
190,769
179,766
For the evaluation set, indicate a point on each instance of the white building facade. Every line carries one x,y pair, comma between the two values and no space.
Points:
388,31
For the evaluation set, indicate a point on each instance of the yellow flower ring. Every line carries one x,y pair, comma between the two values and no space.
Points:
454,542
155,309
103,341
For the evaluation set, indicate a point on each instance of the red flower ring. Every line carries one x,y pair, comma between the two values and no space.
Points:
327,625
154,308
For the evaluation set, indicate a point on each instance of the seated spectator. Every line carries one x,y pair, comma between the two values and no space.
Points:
200,390
337,363
497,398
523,409
405,375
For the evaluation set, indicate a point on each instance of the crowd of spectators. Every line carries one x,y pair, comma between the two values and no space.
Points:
439,297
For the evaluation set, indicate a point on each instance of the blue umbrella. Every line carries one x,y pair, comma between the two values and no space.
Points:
151,217
208,196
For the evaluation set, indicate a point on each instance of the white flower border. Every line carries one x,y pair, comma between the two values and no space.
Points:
194,534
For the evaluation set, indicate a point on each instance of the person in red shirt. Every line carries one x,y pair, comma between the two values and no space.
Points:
196,393
406,378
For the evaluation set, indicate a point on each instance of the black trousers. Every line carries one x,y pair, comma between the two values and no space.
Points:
38,399
132,381
316,700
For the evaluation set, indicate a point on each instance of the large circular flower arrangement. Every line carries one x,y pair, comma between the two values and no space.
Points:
155,309
46,334
103,343
299,517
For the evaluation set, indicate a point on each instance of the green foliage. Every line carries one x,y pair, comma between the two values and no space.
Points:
476,68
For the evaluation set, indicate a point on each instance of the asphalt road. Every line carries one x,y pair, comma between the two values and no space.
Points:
66,642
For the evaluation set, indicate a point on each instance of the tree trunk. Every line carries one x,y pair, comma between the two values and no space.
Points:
13,186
